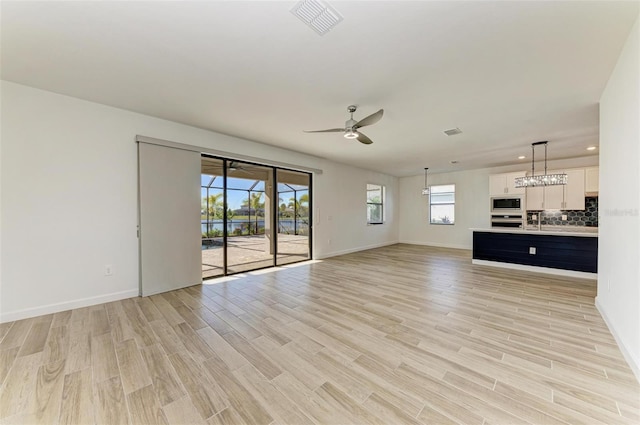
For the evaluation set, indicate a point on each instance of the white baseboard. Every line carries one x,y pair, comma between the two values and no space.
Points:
633,362
66,305
537,269
436,244
352,250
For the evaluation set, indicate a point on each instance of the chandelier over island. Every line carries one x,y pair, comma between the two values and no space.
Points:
541,179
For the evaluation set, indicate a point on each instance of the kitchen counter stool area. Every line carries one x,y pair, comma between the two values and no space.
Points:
562,253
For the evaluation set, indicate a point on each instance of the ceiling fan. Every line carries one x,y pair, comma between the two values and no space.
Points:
235,166
232,166
352,126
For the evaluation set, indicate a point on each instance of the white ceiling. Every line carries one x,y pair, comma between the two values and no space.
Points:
506,73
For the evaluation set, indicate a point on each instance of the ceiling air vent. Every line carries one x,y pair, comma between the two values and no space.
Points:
317,14
453,131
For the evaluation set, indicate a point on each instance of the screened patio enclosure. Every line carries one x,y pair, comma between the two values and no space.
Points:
247,221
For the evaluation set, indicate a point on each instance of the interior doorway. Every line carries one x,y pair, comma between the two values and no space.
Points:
247,221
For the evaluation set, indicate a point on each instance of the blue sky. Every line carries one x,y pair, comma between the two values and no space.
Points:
235,198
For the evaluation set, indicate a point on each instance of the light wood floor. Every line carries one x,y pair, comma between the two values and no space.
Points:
396,335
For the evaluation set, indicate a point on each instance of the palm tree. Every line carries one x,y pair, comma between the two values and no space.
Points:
213,208
300,207
213,205
255,202
294,204
304,203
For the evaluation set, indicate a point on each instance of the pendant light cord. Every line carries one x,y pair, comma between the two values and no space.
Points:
533,159
533,154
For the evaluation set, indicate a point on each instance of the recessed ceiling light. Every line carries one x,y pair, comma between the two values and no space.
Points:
317,14
452,131
521,157
591,148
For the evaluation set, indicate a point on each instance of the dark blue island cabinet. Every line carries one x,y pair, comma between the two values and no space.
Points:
531,248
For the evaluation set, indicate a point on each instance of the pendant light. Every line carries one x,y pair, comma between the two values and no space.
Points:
542,179
425,189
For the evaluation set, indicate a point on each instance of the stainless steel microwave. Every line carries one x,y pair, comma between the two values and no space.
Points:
507,204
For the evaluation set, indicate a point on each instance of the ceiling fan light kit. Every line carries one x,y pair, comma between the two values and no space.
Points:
350,134
351,126
542,179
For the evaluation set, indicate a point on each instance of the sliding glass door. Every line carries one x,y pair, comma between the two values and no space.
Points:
249,230
294,214
247,221
212,217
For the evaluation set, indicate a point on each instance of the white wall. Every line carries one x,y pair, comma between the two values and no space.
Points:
619,243
472,203
68,200
471,210
340,196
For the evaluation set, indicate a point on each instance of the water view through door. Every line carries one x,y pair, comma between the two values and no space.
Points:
247,221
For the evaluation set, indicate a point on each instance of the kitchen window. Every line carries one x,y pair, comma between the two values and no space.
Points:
442,202
375,204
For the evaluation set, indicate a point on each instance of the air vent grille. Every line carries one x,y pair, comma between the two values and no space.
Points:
317,14
453,131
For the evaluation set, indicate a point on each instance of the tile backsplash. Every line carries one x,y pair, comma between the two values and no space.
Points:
586,218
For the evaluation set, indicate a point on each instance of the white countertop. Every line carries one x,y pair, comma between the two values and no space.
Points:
591,232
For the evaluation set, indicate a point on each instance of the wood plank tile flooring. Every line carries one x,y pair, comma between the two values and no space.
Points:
396,335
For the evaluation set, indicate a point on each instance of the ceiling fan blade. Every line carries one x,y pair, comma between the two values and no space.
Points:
331,130
371,119
364,139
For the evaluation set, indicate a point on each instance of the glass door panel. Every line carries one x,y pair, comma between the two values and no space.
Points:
294,207
212,216
249,204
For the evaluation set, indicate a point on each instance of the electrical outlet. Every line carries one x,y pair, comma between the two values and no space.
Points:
328,241
534,217
532,250
564,217
108,270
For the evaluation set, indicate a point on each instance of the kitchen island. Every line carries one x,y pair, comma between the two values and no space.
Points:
549,250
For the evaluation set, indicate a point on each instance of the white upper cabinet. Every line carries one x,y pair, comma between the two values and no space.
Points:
591,180
535,198
505,184
554,196
565,197
562,197
574,190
